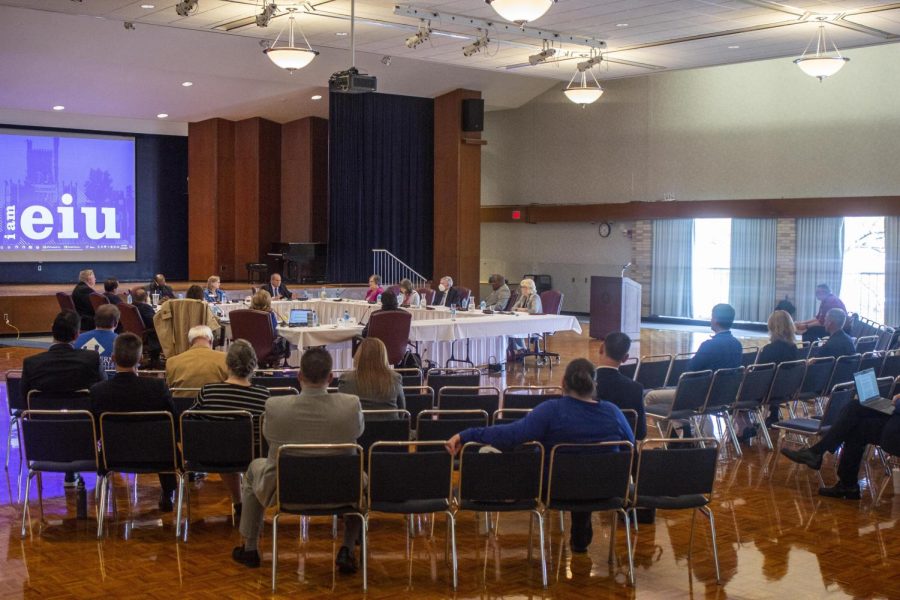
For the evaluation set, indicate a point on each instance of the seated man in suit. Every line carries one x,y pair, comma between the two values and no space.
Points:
81,297
276,289
313,417
446,294
615,387
499,296
127,392
839,343
855,428
159,286
198,365
62,368
102,337
154,349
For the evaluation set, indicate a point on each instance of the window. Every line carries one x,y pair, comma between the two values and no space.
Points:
711,265
862,281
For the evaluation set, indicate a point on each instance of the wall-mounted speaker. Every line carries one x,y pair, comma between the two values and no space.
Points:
473,114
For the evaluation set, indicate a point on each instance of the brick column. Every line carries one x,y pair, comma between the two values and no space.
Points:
642,256
786,259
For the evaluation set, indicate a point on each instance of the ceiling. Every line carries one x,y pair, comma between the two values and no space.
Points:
79,53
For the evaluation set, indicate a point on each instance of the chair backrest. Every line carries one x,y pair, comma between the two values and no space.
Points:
841,395
589,472
97,300
885,387
631,416
756,385
675,467
59,436
871,360
629,367
418,398
438,378
411,376
486,398
392,328
529,396
131,319
678,366
76,400
891,365
138,441
427,294
513,298
464,293
786,384
65,301
276,378
885,338
433,425
384,426
726,383
318,474
818,372
212,440
816,347
184,398
551,302
403,472
255,326
749,356
692,390
652,371
501,476
844,368
15,400
803,349
395,289
284,391
508,415
866,343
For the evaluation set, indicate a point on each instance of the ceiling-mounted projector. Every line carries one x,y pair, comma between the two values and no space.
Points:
351,81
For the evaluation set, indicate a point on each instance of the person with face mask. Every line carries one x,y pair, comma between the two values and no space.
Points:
446,294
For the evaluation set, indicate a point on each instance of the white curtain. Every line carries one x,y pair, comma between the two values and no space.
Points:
892,271
670,280
820,259
751,288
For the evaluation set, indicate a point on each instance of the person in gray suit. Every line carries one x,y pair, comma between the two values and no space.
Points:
313,417
499,296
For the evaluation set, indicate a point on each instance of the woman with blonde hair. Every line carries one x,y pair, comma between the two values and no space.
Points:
529,301
262,301
213,293
378,386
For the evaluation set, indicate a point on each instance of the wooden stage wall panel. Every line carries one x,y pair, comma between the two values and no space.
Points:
31,314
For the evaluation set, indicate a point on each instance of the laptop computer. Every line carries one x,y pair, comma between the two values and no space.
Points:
300,317
867,391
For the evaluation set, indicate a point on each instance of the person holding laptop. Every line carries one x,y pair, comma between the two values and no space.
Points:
872,420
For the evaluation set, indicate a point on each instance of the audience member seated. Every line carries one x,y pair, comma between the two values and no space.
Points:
375,288
782,347
111,290
175,318
855,428
139,298
195,292
276,289
81,297
159,286
388,303
576,418
127,392
722,351
313,417
261,300
408,294
199,365
614,387
378,386
839,343
102,337
446,294
236,393
62,368
499,296
815,328
530,302
213,293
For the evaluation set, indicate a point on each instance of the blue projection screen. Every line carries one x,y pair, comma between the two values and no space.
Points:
66,197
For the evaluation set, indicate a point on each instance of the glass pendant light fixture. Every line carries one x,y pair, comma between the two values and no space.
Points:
290,57
584,92
822,64
521,11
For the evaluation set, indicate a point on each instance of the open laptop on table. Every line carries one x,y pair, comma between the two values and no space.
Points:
300,317
867,390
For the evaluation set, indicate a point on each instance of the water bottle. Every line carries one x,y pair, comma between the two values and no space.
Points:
483,306
323,294
129,298
378,299
315,319
80,500
346,318
453,313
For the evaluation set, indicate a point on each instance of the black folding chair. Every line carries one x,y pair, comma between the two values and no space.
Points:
312,484
135,442
404,480
866,343
652,371
785,387
184,398
75,400
593,478
283,391
815,379
17,404
441,425
870,360
529,396
411,376
486,398
678,366
690,395
891,365
676,474
418,398
276,379
723,391
844,368
504,482
751,398
508,415
631,416
749,356
219,441
56,441
384,426
466,377
629,367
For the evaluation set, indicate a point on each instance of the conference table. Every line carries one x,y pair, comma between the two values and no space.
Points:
472,335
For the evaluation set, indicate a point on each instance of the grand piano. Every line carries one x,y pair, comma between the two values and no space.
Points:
298,262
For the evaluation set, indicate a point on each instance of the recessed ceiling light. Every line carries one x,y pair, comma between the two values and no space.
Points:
317,97
621,24
187,84
733,47
341,34
162,116
148,6
59,107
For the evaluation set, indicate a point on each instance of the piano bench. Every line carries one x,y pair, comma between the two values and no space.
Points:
257,272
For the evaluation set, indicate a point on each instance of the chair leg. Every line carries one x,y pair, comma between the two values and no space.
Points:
9,431
40,487
762,426
729,423
540,519
884,485
451,527
334,527
26,516
178,512
364,530
712,529
274,550
562,521
612,538
691,539
628,547
101,507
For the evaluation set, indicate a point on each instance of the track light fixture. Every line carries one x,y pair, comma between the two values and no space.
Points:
476,46
186,8
268,11
420,36
543,56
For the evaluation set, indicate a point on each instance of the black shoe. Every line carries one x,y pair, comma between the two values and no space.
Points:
71,480
645,516
248,558
747,434
848,492
345,561
165,502
804,456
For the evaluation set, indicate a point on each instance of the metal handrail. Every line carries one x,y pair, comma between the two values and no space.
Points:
392,269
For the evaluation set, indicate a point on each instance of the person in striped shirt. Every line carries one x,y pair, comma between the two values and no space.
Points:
236,393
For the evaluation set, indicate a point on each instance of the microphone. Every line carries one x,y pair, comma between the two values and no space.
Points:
625,268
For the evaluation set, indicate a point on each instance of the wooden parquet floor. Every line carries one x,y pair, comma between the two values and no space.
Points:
776,539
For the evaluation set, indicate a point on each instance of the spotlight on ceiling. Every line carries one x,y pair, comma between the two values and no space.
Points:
268,11
521,11
420,36
542,56
186,8
476,46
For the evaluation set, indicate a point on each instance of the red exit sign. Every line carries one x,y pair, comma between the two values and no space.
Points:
517,215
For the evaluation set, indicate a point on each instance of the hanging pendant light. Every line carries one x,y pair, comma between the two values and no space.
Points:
290,57
821,64
583,93
520,11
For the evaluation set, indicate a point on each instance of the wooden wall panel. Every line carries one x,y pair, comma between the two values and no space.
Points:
304,180
269,229
210,198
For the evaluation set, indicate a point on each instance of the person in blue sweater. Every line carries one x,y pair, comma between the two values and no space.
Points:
575,418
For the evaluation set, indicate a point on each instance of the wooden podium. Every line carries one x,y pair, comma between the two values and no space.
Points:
615,306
